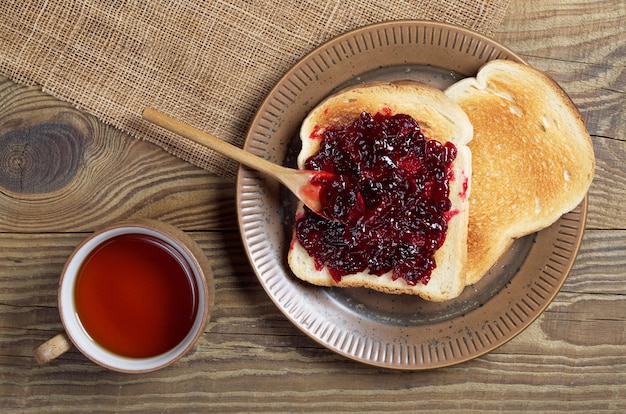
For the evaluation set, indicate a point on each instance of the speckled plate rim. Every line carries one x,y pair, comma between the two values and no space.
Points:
486,315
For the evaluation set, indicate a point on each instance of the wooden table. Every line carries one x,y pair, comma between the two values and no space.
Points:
64,174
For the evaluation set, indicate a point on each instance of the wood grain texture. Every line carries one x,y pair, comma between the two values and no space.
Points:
64,170
63,174
250,358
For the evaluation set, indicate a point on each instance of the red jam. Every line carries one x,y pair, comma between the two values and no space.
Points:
339,198
403,179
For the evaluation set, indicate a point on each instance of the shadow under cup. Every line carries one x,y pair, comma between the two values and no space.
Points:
117,301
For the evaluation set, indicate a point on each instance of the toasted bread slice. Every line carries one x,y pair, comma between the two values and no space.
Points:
439,118
533,158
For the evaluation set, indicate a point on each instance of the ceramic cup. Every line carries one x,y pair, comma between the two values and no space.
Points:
175,242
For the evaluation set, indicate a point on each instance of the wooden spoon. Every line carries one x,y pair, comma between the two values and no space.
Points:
307,185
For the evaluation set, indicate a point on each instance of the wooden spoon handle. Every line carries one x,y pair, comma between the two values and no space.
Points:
211,142
297,181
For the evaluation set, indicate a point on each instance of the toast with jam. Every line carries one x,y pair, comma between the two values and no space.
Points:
533,158
403,146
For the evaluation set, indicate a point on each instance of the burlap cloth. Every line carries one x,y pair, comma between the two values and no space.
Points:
208,63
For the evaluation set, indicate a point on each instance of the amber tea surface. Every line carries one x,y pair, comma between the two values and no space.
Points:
136,296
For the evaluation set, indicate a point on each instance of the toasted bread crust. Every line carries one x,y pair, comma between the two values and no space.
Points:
533,158
439,119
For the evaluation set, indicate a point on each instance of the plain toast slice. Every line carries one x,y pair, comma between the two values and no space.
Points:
533,158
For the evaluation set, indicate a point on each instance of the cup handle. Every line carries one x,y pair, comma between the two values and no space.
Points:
52,348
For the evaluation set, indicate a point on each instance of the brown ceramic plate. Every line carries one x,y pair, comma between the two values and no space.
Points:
391,331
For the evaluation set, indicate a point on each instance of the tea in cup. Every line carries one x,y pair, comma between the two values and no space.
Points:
133,297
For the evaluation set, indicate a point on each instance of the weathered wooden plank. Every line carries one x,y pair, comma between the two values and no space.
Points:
251,357
63,170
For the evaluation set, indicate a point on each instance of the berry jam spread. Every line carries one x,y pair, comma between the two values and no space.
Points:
403,179
339,198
